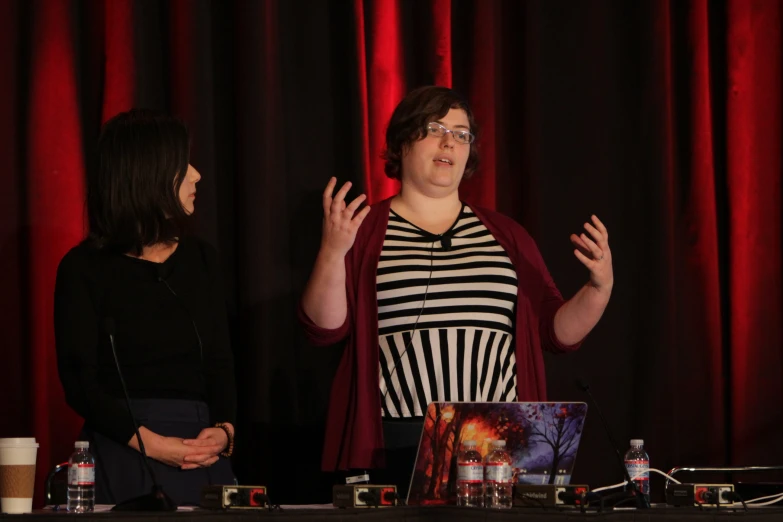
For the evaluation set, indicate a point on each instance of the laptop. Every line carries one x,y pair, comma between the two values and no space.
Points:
541,437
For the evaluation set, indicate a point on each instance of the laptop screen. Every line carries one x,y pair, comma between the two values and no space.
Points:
541,437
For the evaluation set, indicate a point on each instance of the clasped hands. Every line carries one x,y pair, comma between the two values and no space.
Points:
201,452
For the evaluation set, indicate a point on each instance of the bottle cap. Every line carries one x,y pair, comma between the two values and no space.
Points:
637,442
469,443
499,443
81,444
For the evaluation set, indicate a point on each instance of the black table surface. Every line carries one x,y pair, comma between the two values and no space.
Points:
425,513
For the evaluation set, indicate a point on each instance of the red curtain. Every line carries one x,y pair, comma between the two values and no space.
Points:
753,171
691,257
382,73
54,180
119,84
703,269
380,42
723,224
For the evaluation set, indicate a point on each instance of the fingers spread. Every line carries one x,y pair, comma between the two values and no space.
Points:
589,263
595,233
577,241
595,251
600,226
361,215
355,203
338,203
327,196
581,245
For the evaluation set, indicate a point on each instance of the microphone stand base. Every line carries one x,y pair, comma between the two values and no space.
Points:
624,497
642,500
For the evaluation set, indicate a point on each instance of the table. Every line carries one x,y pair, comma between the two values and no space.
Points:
658,513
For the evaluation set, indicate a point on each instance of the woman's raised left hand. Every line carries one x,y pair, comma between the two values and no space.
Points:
594,252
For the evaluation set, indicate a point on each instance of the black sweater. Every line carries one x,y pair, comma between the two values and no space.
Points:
156,333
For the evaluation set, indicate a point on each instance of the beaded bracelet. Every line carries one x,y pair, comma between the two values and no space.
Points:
230,448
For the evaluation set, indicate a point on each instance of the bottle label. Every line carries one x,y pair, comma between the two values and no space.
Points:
498,472
81,475
638,469
470,472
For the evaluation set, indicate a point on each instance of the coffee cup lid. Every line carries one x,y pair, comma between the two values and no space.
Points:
18,442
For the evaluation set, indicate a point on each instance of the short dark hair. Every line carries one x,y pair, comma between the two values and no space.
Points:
133,192
409,121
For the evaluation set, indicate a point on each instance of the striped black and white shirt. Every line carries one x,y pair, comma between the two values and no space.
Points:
457,344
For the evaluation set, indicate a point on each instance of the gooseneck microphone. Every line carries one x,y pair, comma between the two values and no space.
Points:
642,502
157,499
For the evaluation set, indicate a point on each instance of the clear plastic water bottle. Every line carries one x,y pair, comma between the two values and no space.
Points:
470,476
637,462
81,479
498,473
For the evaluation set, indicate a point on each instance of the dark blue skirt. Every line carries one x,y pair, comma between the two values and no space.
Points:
120,472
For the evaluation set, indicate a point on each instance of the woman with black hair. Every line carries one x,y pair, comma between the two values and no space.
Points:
138,277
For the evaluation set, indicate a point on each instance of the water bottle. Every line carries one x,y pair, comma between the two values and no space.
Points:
470,476
81,479
638,465
498,490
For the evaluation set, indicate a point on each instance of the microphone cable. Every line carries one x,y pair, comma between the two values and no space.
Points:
187,312
445,240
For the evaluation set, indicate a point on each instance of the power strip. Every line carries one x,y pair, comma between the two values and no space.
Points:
703,495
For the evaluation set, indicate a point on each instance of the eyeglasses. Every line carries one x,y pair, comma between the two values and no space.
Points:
437,130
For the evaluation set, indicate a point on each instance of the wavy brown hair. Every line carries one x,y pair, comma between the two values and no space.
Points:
409,124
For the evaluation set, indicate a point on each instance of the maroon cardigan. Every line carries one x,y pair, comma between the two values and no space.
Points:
354,436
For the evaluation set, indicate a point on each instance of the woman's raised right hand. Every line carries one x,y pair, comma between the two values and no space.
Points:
341,222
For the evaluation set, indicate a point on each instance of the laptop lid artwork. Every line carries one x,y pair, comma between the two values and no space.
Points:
541,437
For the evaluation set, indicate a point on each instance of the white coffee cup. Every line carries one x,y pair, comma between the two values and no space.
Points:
17,474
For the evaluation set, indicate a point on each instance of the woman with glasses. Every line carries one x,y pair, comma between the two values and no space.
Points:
436,298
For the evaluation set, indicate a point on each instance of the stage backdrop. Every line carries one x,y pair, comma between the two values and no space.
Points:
662,117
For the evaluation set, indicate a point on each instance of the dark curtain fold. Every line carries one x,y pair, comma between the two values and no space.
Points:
54,198
753,172
661,117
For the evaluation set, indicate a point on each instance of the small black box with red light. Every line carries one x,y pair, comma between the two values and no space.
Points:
364,496
704,495
234,497
539,495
